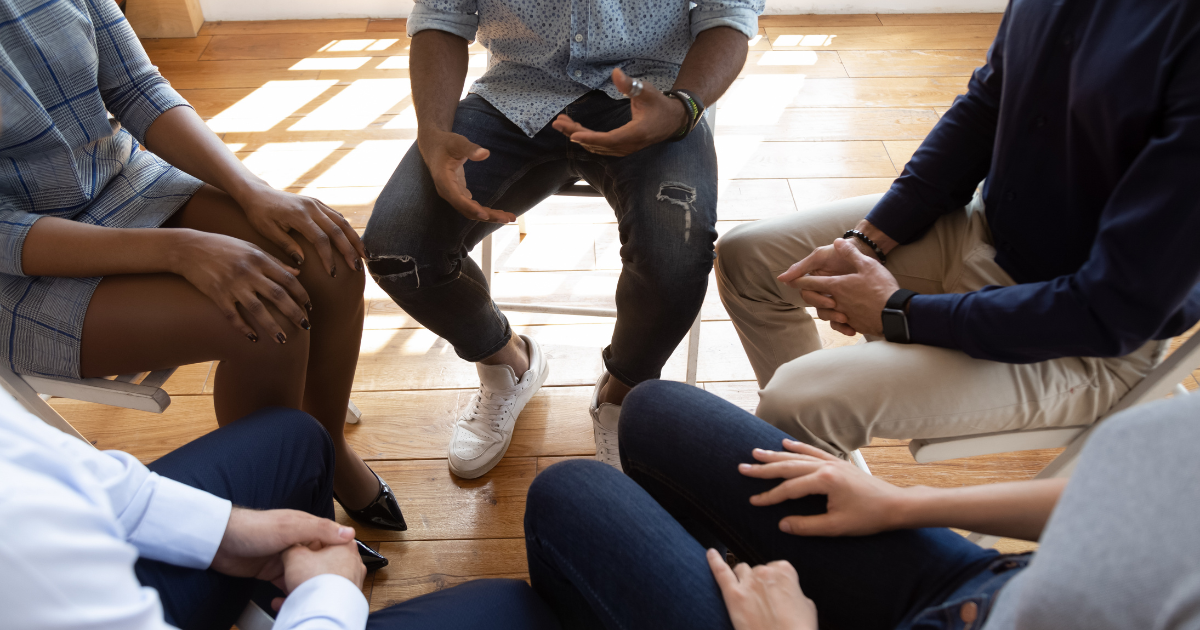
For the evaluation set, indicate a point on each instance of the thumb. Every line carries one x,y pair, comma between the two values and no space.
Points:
463,149
328,532
853,254
625,84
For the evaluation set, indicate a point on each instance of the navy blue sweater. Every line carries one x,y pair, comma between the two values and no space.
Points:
1085,122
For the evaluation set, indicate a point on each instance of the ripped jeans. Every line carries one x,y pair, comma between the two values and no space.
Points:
664,196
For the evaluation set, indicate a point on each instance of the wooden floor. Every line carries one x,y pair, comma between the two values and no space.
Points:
827,107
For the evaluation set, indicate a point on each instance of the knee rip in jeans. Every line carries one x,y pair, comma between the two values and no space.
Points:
681,195
394,267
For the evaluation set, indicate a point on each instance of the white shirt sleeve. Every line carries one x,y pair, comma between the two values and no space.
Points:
325,602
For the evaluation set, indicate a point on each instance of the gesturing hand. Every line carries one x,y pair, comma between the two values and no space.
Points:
656,117
767,597
445,154
848,288
857,504
231,271
275,213
255,539
302,563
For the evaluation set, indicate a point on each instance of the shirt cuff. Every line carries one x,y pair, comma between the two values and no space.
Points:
931,319
423,18
328,597
182,526
741,19
14,227
153,100
903,219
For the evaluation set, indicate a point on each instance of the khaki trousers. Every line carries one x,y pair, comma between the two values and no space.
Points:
841,398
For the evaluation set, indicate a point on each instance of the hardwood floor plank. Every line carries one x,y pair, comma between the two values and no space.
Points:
941,19
810,63
753,199
175,49
901,151
809,193
396,25
867,19
752,158
911,63
819,124
349,25
144,435
895,465
961,37
210,102
293,45
185,75
420,567
880,92
439,506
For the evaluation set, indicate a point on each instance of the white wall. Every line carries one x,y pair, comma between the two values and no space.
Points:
323,9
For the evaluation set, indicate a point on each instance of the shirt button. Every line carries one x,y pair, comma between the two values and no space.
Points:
579,73
579,37
968,613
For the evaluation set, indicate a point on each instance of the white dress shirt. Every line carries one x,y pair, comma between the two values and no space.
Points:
74,520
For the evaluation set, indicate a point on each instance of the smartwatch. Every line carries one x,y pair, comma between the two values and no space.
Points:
895,320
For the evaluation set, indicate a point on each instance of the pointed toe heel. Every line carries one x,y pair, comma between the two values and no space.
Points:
372,559
382,513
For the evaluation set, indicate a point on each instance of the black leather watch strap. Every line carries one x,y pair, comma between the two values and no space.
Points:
900,299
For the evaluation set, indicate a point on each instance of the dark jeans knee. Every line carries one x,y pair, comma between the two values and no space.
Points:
562,493
652,418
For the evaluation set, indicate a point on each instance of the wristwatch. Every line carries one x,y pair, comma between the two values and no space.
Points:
895,320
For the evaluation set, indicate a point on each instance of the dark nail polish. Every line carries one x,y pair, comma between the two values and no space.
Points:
333,270
252,337
280,337
298,259
358,264
304,323
308,306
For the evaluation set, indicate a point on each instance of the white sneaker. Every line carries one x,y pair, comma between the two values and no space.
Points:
484,431
604,426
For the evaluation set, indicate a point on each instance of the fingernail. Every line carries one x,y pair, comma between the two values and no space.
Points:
280,337
333,270
252,337
790,441
308,306
298,259
743,466
345,531
304,323
785,527
358,264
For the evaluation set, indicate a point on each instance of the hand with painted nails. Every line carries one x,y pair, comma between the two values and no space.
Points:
857,504
276,214
445,153
655,117
241,279
766,597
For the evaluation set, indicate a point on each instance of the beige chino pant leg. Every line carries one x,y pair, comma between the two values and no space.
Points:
840,398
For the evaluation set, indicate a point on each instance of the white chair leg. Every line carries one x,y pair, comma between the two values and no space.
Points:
1180,390
29,398
353,415
983,540
485,259
521,225
857,459
693,355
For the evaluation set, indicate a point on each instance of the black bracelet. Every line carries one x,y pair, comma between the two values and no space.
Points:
863,237
694,108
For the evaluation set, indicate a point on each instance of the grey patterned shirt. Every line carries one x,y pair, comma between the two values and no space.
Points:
544,54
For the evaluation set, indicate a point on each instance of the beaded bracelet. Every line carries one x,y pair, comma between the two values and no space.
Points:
863,237
695,111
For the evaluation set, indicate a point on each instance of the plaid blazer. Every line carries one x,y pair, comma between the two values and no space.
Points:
65,65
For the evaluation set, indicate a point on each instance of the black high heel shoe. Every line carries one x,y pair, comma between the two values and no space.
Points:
373,560
383,512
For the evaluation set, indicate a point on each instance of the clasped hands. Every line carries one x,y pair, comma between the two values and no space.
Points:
655,117
287,548
847,287
769,597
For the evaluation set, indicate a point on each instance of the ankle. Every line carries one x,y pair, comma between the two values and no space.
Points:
515,354
613,392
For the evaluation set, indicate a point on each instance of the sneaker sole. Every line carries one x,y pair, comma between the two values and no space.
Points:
495,459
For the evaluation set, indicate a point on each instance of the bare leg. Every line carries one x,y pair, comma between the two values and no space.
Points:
514,355
137,323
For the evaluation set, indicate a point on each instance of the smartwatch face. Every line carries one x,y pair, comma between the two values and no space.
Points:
895,326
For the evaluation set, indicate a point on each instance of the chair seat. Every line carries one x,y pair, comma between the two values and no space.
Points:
939,449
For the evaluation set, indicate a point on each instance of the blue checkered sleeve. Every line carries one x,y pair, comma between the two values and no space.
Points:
132,89
14,225
736,14
457,17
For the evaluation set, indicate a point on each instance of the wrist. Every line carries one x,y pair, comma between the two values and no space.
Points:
245,190
885,242
181,246
907,508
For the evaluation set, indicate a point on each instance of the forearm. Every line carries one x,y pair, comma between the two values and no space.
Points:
712,63
181,138
65,248
1016,510
438,69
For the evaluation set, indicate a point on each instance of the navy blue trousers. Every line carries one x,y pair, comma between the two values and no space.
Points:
608,550
283,459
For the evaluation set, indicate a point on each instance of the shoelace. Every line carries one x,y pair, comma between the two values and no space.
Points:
487,411
608,442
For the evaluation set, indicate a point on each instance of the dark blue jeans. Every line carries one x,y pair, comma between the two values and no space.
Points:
282,458
609,551
664,196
